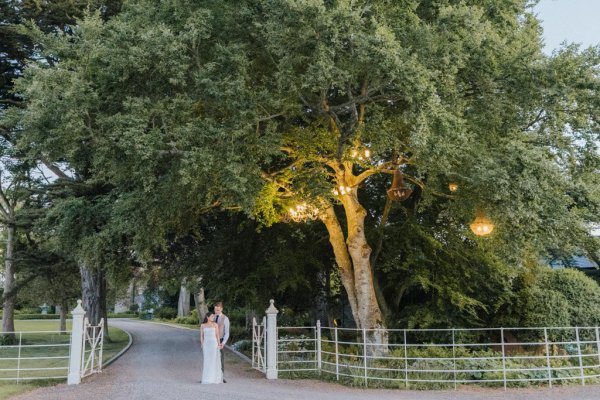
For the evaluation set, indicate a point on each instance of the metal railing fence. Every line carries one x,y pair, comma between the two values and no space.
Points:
443,358
298,348
35,355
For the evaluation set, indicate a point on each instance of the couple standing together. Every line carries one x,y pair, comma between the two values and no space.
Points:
214,333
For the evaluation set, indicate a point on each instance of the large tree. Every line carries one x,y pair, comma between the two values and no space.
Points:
443,92
16,49
270,105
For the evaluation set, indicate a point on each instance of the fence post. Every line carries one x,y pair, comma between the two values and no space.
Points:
74,377
272,341
102,332
318,346
264,339
253,338
454,357
598,344
405,361
503,357
19,357
337,353
365,354
580,357
548,357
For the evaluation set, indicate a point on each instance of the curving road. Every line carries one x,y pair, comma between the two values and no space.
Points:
165,363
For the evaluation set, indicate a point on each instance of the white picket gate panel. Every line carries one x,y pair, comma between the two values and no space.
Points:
93,343
259,345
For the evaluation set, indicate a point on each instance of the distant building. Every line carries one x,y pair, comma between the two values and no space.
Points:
580,262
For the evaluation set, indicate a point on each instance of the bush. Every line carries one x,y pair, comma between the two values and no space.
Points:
134,308
35,316
123,315
243,346
573,297
28,310
166,313
238,333
191,319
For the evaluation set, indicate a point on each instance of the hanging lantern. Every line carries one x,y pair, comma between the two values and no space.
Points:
398,191
482,225
453,187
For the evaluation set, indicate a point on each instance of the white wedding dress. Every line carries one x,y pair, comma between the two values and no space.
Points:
211,369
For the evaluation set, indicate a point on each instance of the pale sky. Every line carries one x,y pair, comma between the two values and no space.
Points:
576,21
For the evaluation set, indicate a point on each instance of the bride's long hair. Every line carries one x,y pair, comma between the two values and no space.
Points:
207,316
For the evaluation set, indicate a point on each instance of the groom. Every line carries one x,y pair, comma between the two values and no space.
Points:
223,322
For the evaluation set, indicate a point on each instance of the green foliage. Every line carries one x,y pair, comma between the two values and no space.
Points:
547,297
123,315
237,333
170,110
166,313
189,320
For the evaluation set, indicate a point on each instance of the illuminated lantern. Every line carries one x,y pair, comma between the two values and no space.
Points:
482,225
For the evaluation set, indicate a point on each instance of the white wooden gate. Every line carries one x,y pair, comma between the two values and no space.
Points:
259,347
91,357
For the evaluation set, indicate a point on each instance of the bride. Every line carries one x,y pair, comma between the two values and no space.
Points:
209,338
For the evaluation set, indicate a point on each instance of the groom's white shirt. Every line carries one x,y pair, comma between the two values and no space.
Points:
225,321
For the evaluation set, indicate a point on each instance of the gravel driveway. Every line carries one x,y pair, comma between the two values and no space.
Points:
165,363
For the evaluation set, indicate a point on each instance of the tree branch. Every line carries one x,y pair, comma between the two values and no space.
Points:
357,180
55,170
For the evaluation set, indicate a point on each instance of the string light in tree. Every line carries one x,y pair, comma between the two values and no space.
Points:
361,153
303,212
341,190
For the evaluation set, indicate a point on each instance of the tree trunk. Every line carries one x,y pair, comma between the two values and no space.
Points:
353,259
200,302
64,309
104,304
8,317
91,292
183,306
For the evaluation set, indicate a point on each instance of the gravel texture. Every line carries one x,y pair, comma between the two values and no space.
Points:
165,363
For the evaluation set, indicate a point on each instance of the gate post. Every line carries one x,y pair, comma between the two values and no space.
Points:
271,339
74,377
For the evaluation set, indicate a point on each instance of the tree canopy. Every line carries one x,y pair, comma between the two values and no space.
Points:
167,111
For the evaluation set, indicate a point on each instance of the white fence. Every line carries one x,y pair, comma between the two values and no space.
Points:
433,358
22,361
43,355
442,358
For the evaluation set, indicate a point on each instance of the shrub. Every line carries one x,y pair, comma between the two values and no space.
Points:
123,315
237,333
166,313
29,310
35,316
189,320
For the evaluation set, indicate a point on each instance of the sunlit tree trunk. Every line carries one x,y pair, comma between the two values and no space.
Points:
352,255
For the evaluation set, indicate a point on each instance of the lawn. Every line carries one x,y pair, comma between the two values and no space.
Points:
50,344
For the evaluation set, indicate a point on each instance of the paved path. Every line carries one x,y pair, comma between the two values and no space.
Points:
165,363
